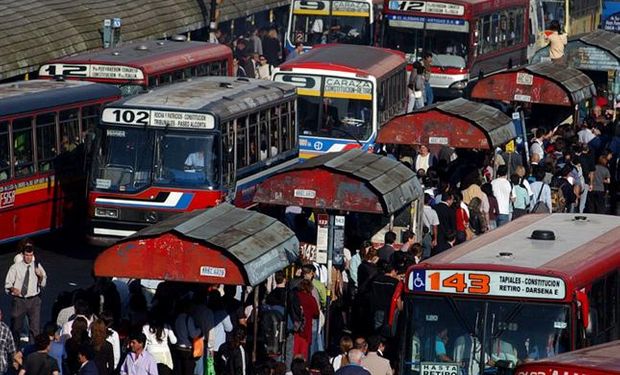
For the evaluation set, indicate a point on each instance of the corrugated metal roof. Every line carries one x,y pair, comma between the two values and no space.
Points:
396,184
362,59
603,39
579,85
261,244
28,96
37,31
223,96
492,121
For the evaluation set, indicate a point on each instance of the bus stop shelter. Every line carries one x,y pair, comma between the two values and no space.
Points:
597,54
354,180
542,83
457,123
219,245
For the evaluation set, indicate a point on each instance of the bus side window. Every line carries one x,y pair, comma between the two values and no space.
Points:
177,76
153,82
46,140
203,70
22,146
5,152
69,129
187,73
485,43
228,159
263,149
215,69
274,129
285,122
253,139
90,118
165,79
241,129
519,24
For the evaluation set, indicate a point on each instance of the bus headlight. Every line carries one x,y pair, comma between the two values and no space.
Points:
460,85
108,213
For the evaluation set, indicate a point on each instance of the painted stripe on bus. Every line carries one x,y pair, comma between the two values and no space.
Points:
347,95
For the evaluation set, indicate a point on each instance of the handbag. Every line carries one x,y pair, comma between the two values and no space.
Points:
540,207
417,94
198,347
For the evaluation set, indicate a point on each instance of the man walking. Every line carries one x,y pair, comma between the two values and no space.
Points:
23,283
7,346
502,190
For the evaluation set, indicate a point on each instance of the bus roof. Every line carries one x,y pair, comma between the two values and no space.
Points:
223,96
601,359
581,249
365,60
27,96
151,55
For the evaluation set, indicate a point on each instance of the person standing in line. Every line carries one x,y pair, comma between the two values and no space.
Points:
7,346
87,364
40,362
374,361
427,62
355,364
263,71
23,283
502,191
557,41
598,178
158,335
102,352
138,361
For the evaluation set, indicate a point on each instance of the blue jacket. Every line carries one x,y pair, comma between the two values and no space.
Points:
352,369
90,368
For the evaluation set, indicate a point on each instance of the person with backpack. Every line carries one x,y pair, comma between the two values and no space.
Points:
520,197
563,196
541,193
264,69
477,220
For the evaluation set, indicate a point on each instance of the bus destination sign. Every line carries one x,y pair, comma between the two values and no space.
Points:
350,8
427,7
92,71
487,283
156,118
348,88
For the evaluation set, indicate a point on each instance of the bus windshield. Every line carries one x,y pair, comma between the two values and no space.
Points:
451,330
449,48
313,29
335,117
130,160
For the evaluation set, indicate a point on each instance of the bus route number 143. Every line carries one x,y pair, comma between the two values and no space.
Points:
472,283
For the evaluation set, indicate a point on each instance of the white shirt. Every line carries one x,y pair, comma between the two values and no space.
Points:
536,148
421,162
116,346
66,328
502,192
317,26
585,136
195,159
429,217
160,349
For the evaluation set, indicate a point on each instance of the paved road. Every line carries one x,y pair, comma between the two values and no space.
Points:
68,265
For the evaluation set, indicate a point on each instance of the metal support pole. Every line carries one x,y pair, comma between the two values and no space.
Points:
255,312
330,254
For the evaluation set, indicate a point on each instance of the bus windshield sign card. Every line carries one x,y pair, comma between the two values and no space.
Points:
158,118
432,368
487,283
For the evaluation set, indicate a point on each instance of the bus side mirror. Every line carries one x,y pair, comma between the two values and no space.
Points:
505,367
584,304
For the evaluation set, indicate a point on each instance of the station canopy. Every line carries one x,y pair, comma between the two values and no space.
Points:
220,245
541,83
458,123
354,181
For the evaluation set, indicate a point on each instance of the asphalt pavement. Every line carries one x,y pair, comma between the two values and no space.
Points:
68,264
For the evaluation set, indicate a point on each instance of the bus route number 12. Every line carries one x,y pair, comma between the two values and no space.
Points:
473,283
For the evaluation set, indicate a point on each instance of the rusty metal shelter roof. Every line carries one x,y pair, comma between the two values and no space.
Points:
37,31
353,180
603,39
457,123
544,83
223,244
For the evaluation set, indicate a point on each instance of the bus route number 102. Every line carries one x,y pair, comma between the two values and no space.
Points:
128,116
473,283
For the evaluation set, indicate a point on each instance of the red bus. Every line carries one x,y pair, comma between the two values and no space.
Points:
601,359
42,123
186,146
138,66
531,289
467,38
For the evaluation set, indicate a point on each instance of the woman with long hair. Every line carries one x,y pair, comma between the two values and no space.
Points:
158,335
79,337
342,359
102,349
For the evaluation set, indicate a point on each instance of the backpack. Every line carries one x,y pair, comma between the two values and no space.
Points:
477,222
272,328
558,201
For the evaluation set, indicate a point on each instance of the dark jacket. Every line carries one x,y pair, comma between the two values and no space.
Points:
352,370
447,221
104,359
90,368
229,360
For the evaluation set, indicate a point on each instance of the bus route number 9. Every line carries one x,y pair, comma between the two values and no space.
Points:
130,116
472,283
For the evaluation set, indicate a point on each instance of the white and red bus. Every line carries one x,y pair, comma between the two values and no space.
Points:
601,359
138,66
467,38
186,146
346,93
531,289
42,123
